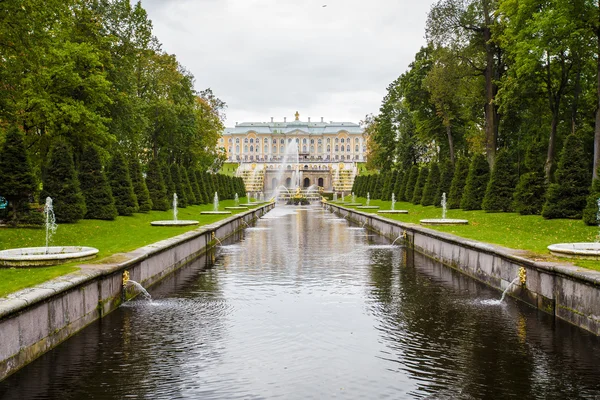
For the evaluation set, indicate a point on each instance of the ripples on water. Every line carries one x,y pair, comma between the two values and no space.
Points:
307,306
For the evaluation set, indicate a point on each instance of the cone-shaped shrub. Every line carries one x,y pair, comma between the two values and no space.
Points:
590,212
446,175
210,185
411,182
419,185
461,170
501,186
17,181
121,186
169,185
139,186
179,187
400,193
187,186
530,192
194,183
61,184
388,180
202,186
156,186
431,185
477,180
99,201
397,184
376,194
567,197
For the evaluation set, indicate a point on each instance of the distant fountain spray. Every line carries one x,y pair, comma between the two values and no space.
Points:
216,202
368,198
444,205
335,196
175,207
353,197
50,221
236,199
393,201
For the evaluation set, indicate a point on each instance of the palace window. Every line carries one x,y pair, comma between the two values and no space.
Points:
274,141
274,149
237,149
266,148
312,141
237,140
342,149
297,140
356,148
320,141
348,148
245,148
304,149
304,141
328,140
290,140
342,140
328,149
251,148
320,149
251,140
266,140
245,140
337,140
282,141
337,148
312,149
281,149
230,141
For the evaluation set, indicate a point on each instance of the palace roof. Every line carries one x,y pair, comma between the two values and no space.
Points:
299,127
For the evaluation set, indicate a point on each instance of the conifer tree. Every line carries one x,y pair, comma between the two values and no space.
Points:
398,184
459,178
385,190
99,201
61,184
431,185
477,180
121,186
179,187
139,186
195,187
202,186
446,175
568,196
17,181
401,193
411,183
530,192
501,186
419,185
156,186
377,188
169,185
187,186
210,187
590,212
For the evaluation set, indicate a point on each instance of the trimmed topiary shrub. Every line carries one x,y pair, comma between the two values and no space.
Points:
195,187
61,184
397,184
501,186
187,186
590,212
169,185
402,189
459,179
139,186
121,186
530,192
378,187
179,187
567,197
419,185
431,185
17,181
157,190
446,175
477,180
99,200
388,185
202,186
410,183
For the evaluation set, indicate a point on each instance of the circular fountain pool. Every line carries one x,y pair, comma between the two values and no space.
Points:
590,250
182,222
444,221
43,256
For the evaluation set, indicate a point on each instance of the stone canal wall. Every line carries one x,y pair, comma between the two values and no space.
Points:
565,291
34,320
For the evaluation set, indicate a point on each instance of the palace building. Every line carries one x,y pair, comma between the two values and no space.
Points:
327,153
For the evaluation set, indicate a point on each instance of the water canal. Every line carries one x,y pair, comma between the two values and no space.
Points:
307,306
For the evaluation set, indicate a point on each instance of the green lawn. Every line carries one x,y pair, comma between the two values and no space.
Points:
110,237
525,232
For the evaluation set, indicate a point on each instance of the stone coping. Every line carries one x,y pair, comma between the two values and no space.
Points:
520,256
17,301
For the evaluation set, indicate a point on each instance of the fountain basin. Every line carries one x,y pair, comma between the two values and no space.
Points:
236,208
589,251
392,211
249,204
367,207
181,222
215,212
43,256
444,221
353,204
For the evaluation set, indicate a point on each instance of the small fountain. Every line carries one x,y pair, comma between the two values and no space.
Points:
138,286
444,220
353,203
249,202
237,206
514,281
585,250
48,255
393,210
368,206
215,210
353,197
175,221
335,196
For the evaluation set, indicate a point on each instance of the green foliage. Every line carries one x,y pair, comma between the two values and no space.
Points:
446,175
157,190
388,187
567,197
476,184
198,195
17,181
431,185
530,192
377,186
121,186
179,186
420,185
169,185
187,186
61,184
459,179
501,186
99,201
202,186
400,194
396,189
590,212
409,190
139,186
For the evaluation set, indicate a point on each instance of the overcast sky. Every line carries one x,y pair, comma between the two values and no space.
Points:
271,58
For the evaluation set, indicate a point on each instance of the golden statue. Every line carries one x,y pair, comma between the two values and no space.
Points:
297,115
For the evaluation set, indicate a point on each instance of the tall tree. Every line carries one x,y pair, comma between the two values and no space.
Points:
99,201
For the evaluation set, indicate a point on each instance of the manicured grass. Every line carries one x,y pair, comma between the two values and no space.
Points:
110,237
525,232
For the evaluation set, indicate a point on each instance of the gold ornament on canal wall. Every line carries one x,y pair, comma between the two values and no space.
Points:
125,278
522,275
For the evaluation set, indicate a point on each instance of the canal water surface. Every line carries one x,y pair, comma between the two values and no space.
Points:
306,306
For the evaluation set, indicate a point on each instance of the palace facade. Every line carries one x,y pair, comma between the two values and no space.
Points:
327,152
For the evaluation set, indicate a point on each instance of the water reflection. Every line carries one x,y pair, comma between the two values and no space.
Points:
308,306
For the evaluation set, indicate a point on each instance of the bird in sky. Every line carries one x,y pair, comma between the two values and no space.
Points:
324,5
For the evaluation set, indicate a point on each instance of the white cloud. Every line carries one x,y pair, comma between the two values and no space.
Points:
271,57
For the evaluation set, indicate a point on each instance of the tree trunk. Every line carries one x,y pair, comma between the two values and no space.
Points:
490,109
551,145
597,128
450,142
